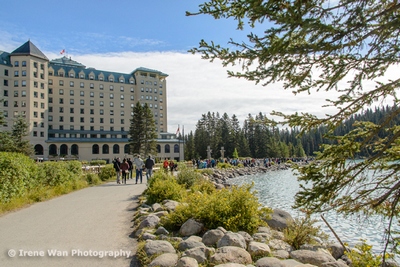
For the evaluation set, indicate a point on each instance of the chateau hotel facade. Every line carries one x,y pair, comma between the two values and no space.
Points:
75,112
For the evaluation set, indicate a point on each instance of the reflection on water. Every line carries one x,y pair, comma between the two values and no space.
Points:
276,189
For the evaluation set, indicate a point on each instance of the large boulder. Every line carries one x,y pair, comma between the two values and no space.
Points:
150,221
231,254
187,262
232,239
211,237
191,242
191,227
317,258
170,205
165,260
258,249
201,254
280,219
158,246
270,262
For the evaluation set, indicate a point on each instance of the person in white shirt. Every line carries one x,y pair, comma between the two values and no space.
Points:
139,166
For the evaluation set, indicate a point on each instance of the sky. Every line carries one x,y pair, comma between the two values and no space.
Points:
123,35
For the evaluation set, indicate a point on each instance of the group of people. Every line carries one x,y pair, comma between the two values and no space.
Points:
169,165
125,168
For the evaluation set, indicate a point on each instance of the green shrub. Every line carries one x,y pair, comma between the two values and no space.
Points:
107,172
204,186
18,175
302,231
235,209
92,178
163,186
363,256
224,165
188,177
56,173
97,162
75,167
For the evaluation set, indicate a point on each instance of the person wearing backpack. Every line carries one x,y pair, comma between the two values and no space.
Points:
149,167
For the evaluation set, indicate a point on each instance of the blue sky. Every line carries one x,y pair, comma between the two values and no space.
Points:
124,35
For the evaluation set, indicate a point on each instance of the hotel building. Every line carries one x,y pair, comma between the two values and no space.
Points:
76,112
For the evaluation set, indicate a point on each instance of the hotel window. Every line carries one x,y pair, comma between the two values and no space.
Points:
101,120
15,93
161,107
122,113
41,85
82,119
61,82
147,97
111,96
35,124
71,119
61,91
142,82
23,83
82,102
71,84
103,135
23,103
71,110
142,97
155,106
61,127
147,90
142,89
50,100
111,120
111,88
16,63
50,82
15,104
91,111
50,91
5,82
111,104
82,76
155,114
50,118
121,89
71,101
16,73
35,84
71,92
91,86
5,93
122,97
5,72
41,105
15,114
23,73
150,97
132,91
122,105
160,92
42,124
23,93
91,120
5,103
150,90
132,105
61,109
101,87
91,94
161,115
50,109
34,133
155,91
61,119
91,77
35,74
122,121
92,102
41,134
50,73
112,112
41,76
42,115
151,105
132,97
101,95
121,80
71,75
82,128
111,79
82,85
101,78
42,95
35,94
61,101
82,111
82,93
101,111
5,114
111,130
101,103
42,66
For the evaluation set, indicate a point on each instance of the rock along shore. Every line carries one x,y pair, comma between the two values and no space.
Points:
222,248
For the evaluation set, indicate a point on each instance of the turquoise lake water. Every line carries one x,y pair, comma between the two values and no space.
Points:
276,189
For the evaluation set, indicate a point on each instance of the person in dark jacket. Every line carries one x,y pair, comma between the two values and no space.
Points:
149,167
117,167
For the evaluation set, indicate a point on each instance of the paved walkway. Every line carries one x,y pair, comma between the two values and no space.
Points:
89,227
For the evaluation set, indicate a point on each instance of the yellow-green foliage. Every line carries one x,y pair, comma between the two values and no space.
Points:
18,175
107,172
205,171
92,178
363,256
164,186
97,162
204,186
235,209
187,177
302,231
224,165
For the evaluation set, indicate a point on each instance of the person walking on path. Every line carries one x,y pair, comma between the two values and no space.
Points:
130,168
125,170
139,165
165,165
117,167
149,167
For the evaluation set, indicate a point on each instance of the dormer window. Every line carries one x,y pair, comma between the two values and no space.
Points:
91,77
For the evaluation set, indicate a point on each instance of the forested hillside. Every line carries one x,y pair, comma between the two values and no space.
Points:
260,137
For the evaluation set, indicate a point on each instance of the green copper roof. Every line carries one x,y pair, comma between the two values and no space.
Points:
29,48
67,62
5,58
150,70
